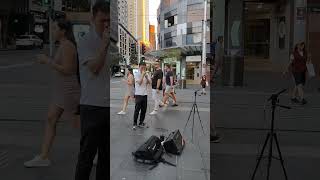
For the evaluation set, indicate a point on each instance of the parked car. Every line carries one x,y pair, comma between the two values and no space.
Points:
118,74
29,41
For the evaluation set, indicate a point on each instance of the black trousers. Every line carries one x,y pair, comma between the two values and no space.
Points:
94,138
141,105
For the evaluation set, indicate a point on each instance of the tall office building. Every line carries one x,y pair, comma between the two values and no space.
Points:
123,12
132,17
143,20
180,29
152,37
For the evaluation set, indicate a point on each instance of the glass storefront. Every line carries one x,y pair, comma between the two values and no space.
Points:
193,71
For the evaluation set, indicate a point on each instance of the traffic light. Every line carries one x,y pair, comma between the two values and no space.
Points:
143,49
133,48
142,60
45,2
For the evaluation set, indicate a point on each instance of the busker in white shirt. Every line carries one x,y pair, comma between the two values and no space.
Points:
142,79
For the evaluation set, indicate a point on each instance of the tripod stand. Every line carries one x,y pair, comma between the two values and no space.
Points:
270,137
193,110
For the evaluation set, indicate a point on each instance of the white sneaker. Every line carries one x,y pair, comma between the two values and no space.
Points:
95,161
134,127
153,112
121,113
37,162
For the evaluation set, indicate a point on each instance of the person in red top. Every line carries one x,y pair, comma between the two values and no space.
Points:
298,67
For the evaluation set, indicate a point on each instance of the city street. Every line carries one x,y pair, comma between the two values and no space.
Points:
239,116
25,94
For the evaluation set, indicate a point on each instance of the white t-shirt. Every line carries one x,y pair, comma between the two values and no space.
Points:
141,90
94,88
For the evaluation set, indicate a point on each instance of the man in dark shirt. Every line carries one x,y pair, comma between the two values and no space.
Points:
156,87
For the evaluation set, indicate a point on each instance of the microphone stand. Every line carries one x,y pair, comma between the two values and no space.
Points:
194,110
270,137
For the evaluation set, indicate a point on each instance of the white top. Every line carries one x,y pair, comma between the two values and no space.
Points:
94,88
141,90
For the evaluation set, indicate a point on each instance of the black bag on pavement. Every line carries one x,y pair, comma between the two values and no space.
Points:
150,152
174,143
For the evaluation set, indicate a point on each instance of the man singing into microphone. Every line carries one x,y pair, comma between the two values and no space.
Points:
94,107
142,79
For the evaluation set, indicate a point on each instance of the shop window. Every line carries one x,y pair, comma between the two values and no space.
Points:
190,71
171,21
171,42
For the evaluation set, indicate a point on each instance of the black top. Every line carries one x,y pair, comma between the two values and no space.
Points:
158,74
168,75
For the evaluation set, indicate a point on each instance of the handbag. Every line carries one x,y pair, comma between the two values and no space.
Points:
311,71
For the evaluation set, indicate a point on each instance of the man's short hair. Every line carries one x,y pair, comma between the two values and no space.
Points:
101,6
168,65
142,64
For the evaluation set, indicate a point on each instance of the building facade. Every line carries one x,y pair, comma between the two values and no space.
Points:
123,12
132,17
180,33
267,31
152,38
126,39
15,19
143,21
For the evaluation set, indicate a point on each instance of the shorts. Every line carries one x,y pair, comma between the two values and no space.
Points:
168,89
300,78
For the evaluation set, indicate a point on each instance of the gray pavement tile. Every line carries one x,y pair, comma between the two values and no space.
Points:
125,140
192,175
127,175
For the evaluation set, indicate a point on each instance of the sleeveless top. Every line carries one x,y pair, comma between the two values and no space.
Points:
66,87
299,63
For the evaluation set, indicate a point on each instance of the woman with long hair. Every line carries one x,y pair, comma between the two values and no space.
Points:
66,87
129,92
298,67
203,84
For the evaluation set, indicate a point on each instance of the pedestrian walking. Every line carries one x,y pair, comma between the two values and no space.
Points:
156,87
219,55
203,84
169,90
94,105
66,88
142,79
129,91
298,68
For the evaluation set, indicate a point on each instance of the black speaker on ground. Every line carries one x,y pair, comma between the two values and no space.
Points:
174,143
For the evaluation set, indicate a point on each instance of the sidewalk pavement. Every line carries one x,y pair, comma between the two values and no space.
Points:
194,163
240,118
20,142
265,81
21,135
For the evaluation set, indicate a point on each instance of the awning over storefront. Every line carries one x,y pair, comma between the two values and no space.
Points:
182,50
